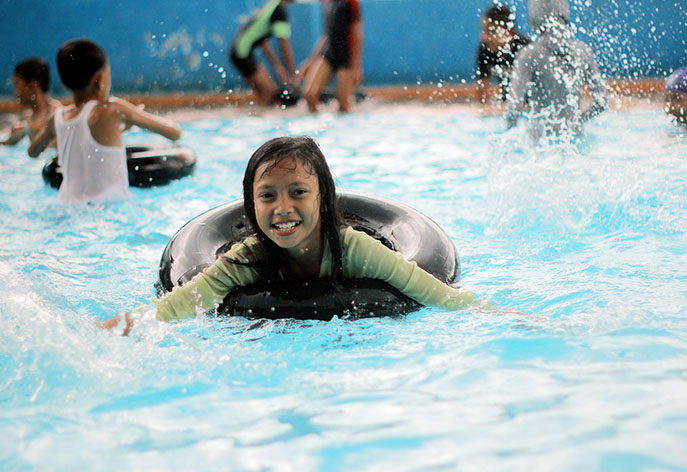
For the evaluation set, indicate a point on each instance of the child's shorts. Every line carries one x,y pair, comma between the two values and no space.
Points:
246,66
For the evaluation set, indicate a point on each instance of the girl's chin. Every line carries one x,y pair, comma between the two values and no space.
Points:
284,240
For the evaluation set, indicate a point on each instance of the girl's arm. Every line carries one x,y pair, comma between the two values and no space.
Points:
364,256
44,137
133,115
202,293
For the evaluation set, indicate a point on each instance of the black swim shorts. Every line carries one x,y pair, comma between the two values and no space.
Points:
246,66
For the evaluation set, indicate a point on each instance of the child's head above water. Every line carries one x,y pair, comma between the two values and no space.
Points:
30,76
676,95
500,15
498,26
300,154
290,197
544,13
79,62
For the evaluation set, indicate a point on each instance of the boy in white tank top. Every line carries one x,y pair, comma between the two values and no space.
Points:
90,151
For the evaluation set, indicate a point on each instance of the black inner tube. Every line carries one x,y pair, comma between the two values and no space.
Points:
148,166
200,241
318,299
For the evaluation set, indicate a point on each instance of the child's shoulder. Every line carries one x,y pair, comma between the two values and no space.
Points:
118,101
350,235
114,105
113,108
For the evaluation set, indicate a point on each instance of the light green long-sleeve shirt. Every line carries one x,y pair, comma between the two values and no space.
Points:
362,257
270,20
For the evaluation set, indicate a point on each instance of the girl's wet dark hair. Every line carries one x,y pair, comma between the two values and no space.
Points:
306,150
34,68
500,15
78,61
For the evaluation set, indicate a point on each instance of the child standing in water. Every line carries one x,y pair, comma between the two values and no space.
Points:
271,20
90,151
676,96
31,85
291,205
339,51
551,73
500,43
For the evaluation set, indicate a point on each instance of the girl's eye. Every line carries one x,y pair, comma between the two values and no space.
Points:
265,196
300,191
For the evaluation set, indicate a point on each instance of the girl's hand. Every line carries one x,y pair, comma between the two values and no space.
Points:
114,322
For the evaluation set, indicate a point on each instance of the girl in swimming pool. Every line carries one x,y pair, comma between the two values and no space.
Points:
290,201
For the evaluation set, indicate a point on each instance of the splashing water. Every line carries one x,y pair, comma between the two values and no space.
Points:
588,236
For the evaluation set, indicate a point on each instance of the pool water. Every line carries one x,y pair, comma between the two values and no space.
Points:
588,237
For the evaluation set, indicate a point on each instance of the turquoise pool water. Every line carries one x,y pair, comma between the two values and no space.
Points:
589,237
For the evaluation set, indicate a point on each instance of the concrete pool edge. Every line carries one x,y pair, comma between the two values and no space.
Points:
624,90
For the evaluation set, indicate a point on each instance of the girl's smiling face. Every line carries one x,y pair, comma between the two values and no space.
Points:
287,207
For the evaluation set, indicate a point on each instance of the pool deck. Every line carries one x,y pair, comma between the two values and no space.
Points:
624,93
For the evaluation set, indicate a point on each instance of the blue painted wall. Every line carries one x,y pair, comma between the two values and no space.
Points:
182,45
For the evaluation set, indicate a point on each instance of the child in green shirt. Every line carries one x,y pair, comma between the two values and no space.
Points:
290,201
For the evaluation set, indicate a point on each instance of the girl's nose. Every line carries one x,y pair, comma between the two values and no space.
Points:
284,206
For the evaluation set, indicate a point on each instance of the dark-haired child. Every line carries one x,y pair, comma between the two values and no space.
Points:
31,87
500,43
90,151
290,200
550,74
270,20
339,51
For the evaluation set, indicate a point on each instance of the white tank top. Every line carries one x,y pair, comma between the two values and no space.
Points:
91,172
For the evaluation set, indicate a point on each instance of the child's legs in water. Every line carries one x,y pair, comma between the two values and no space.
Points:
346,82
263,85
317,79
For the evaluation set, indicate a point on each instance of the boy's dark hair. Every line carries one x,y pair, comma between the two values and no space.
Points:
501,15
34,68
78,61
309,154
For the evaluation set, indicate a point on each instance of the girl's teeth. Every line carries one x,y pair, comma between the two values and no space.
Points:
285,226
